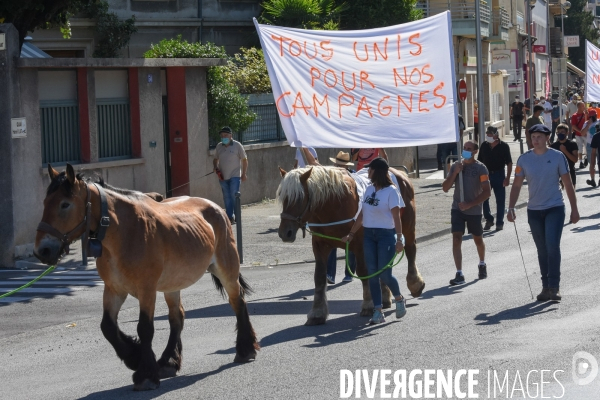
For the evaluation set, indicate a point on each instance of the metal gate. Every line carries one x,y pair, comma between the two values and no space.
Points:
114,128
59,121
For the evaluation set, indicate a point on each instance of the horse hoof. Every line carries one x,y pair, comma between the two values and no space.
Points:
315,321
147,384
244,359
420,292
167,372
386,305
366,312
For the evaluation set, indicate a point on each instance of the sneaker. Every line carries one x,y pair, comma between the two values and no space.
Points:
488,225
499,227
401,308
544,295
378,318
232,220
581,166
458,279
347,279
330,279
591,182
585,163
554,294
482,271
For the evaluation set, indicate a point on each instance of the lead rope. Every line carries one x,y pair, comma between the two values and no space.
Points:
46,272
391,264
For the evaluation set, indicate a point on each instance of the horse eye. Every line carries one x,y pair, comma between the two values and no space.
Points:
65,205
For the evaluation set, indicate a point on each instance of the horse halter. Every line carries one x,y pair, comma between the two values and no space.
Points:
299,219
67,238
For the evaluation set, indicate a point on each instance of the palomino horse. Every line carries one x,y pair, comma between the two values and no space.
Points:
147,246
326,195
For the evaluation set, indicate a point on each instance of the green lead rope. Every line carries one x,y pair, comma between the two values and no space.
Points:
391,264
46,272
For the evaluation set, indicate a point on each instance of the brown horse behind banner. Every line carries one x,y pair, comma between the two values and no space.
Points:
148,246
324,195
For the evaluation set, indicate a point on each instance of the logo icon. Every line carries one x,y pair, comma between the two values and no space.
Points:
585,368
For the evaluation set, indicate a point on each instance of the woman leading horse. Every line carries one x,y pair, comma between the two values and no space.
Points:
327,199
146,246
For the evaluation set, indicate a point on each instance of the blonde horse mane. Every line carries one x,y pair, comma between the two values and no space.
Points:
324,183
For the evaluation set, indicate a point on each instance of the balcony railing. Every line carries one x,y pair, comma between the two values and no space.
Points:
501,18
460,10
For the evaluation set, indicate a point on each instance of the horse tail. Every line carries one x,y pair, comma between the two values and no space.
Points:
245,288
218,285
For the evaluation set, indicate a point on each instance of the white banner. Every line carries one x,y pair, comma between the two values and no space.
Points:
592,73
384,87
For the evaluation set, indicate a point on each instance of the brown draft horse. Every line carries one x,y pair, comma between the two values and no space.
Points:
149,246
328,194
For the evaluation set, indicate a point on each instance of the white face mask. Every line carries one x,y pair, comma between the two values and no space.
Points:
490,139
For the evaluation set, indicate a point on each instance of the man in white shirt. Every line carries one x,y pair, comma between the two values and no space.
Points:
547,112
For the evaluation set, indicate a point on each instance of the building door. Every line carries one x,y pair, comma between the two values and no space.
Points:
167,145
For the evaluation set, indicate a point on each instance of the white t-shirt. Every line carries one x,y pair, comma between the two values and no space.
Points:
592,131
571,108
547,113
300,158
377,207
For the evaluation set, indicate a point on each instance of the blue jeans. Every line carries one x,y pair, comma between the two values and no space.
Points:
332,264
380,247
546,228
230,187
496,182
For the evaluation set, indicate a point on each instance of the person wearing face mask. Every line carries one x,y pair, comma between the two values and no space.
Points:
495,155
567,147
476,188
547,112
533,120
230,165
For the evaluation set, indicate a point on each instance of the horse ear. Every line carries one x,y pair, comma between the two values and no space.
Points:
282,172
304,177
52,173
71,174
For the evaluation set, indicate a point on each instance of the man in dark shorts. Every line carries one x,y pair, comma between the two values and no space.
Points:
567,147
594,159
516,113
476,187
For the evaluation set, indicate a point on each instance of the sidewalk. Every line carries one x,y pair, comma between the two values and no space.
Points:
260,222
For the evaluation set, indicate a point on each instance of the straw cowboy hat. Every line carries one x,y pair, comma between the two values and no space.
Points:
342,159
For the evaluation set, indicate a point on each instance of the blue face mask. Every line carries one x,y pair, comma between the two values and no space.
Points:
225,141
466,154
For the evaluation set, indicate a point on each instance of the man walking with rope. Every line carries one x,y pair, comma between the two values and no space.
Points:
543,167
468,212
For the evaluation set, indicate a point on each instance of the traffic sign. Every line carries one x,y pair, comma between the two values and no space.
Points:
462,90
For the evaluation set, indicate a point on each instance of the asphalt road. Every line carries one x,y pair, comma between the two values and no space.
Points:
53,348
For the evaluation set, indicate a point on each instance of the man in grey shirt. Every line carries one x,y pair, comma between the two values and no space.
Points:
476,188
543,167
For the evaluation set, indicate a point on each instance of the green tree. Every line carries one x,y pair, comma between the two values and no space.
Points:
247,70
378,13
226,106
112,34
29,15
580,23
304,14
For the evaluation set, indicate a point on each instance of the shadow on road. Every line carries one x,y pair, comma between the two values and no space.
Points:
585,228
166,385
521,312
591,195
445,291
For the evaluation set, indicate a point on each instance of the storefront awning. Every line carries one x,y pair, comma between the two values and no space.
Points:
575,70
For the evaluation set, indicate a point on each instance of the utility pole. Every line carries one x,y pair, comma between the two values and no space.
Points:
480,98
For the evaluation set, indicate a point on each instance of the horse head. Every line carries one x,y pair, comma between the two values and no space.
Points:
64,217
295,210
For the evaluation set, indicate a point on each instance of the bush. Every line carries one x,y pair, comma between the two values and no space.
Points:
226,106
248,71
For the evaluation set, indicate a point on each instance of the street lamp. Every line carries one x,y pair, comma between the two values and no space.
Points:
529,4
563,8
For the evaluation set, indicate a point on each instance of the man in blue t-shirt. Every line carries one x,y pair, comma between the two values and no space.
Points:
543,167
